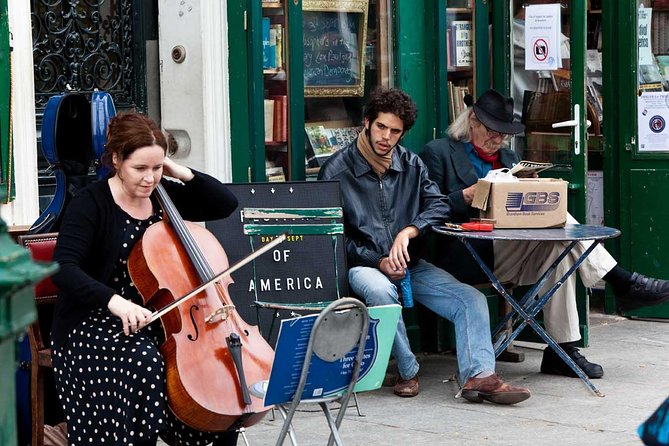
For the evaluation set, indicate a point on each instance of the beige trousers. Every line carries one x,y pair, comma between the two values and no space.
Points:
523,263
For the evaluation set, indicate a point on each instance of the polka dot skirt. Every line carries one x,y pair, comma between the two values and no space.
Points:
113,388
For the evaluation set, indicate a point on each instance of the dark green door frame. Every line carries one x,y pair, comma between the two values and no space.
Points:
413,73
247,90
6,177
240,97
635,181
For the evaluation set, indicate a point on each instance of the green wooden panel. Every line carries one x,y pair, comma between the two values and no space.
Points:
648,237
411,66
501,47
6,174
296,91
577,179
437,64
293,213
256,92
238,75
615,30
634,182
481,47
8,354
294,229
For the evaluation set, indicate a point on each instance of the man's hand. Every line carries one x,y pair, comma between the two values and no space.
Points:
132,315
392,273
468,194
394,265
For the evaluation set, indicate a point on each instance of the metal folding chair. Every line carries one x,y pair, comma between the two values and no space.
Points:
341,327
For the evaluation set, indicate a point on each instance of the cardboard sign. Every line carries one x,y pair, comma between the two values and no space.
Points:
526,203
300,270
330,378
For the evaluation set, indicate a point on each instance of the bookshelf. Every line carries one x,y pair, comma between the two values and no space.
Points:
460,58
275,91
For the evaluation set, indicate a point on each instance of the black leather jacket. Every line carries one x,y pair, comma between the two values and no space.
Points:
377,209
450,167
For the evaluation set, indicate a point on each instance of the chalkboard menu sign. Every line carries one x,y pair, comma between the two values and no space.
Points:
334,36
299,270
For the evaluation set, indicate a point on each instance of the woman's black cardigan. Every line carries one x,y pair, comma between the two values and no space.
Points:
90,236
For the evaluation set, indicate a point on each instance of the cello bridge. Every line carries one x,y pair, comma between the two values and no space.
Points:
224,312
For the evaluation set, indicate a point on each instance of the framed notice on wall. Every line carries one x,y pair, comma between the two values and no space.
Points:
334,34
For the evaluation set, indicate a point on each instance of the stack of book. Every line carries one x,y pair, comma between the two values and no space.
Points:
456,94
323,141
276,119
459,49
272,45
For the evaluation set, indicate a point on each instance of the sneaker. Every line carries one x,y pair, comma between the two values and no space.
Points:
643,292
552,364
407,388
493,389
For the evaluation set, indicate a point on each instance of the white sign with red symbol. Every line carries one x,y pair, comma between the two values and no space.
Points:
653,110
542,37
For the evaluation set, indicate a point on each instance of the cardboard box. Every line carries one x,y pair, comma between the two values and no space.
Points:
526,203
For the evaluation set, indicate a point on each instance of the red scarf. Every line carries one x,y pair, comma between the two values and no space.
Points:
493,159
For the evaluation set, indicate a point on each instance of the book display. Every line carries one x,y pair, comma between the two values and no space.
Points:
275,90
459,53
323,142
319,59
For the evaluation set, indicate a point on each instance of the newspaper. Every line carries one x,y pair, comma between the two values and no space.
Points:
529,168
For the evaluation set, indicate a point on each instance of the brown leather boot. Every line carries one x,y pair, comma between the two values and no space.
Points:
407,388
493,389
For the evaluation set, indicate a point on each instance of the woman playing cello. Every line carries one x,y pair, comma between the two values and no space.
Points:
112,388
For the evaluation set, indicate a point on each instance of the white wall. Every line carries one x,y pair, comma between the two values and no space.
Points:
24,210
194,93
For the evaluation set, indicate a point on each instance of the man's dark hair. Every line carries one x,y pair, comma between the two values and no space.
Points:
391,100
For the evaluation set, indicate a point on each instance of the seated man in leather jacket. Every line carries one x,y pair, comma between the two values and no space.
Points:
473,148
388,202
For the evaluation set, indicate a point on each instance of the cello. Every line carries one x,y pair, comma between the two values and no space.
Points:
211,355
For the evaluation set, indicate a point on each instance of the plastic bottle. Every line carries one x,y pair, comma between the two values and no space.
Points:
407,294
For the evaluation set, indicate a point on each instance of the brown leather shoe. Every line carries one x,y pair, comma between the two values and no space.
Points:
406,387
493,389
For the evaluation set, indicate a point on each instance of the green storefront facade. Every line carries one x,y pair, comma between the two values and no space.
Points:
633,181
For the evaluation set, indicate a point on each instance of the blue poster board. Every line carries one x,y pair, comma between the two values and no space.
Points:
329,378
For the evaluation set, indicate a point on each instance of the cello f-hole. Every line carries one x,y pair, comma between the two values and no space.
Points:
191,311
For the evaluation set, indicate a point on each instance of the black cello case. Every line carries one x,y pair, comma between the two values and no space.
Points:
73,138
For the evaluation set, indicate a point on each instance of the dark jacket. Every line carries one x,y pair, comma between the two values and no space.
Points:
90,237
450,167
377,209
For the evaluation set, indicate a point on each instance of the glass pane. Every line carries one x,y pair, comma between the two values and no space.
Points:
653,70
332,122
541,96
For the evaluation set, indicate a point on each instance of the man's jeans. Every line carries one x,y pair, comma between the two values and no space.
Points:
439,291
